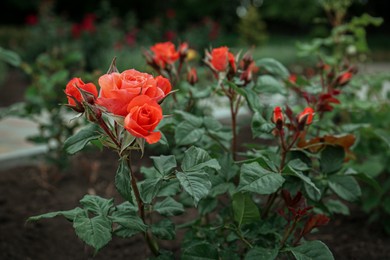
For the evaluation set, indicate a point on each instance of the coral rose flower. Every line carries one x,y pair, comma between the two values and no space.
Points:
221,58
144,115
164,53
74,94
118,89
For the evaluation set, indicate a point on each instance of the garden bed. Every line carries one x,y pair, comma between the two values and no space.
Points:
32,190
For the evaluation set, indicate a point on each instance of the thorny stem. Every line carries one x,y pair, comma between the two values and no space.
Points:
152,243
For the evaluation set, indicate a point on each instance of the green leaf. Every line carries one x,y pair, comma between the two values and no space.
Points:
274,67
261,253
345,186
194,120
332,158
196,184
255,178
294,168
268,84
336,206
384,135
196,159
164,164
95,231
252,98
312,192
169,207
260,126
68,214
78,141
212,124
97,205
312,250
150,188
123,180
369,180
200,251
165,229
169,188
386,205
10,57
128,220
207,205
186,133
244,209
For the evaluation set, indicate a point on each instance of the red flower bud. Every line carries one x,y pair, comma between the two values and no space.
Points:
305,117
278,118
292,78
192,76
183,50
77,91
344,78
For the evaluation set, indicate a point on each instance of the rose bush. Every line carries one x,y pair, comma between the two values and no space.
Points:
256,202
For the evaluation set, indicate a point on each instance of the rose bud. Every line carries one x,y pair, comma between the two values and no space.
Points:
292,79
246,76
77,91
246,61
192,76
305,117
183,50
221,59
94,114
278,118
344,78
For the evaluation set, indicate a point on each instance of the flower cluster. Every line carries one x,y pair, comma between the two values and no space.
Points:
131,94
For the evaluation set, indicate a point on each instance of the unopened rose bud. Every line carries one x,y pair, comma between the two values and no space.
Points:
305,118
192,76
246,61
94,114
183,50
344,78
246,76
292,78
278,118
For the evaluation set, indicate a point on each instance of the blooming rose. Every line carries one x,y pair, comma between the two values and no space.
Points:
164,53
74,94
118,89
221,58
144,114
